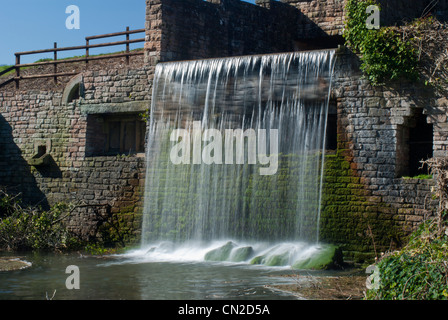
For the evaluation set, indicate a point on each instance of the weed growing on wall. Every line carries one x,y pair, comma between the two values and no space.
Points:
429,39
385,55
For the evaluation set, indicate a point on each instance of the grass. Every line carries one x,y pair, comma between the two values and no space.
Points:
4,67
420,176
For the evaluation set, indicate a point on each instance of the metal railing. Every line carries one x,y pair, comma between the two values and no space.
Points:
127,54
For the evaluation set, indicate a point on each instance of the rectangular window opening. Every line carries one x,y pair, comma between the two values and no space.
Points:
414,144
115,134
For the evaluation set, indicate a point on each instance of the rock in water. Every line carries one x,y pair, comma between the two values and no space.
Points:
327,257
10,264
278,260
221,253
242,254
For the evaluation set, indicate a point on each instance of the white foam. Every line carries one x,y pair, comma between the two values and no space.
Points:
196,251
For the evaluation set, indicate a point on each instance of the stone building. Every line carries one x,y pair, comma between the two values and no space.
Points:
92,135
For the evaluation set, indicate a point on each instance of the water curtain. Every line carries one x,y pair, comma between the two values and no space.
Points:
235,148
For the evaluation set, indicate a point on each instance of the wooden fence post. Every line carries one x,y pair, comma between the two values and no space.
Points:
55,67
17,71
87,52
127,45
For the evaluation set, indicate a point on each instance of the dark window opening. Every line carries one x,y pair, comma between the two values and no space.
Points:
115,134
414,144
420,145
41,150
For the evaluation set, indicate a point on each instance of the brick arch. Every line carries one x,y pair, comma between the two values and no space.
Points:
73,90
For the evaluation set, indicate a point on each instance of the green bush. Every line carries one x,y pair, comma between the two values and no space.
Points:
384,54
417,272
27,228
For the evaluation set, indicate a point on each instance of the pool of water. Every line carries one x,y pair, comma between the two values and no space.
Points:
129,278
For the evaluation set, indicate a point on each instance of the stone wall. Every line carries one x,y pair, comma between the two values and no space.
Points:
106,187
326,17
197,29
323,17
369,204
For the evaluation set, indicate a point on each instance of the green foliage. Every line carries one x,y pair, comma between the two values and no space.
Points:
24,228
145,116
419,271
99,249
420,176
384,54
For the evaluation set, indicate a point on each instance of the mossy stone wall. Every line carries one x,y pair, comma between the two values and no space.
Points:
368,207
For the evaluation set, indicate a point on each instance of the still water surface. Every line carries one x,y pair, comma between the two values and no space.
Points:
124,277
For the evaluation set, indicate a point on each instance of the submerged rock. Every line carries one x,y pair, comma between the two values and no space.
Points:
242,254
151,250
327,257
221,253
278,255
275,260
10,264
257,260
278,260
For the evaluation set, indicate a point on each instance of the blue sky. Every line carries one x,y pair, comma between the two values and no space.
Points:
36,24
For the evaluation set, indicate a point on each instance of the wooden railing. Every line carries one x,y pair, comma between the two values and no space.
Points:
127,54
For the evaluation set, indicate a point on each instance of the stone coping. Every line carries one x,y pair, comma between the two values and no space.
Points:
122,107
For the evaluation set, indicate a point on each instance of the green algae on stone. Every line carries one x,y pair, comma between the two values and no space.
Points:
242,254
220,254
327,257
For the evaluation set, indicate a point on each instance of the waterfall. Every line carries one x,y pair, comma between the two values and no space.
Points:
235,148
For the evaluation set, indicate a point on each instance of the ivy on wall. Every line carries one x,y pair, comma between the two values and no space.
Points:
384,53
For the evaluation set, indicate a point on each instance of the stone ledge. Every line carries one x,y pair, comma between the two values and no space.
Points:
122,107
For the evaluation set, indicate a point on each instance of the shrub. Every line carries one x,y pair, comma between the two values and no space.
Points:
417,272
29,228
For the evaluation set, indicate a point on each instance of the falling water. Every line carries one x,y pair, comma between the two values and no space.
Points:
204,184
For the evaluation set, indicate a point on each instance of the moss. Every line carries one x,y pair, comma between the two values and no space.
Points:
420,176
120,229
328,257
348,212
278,260
220,254
257,260
242,254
